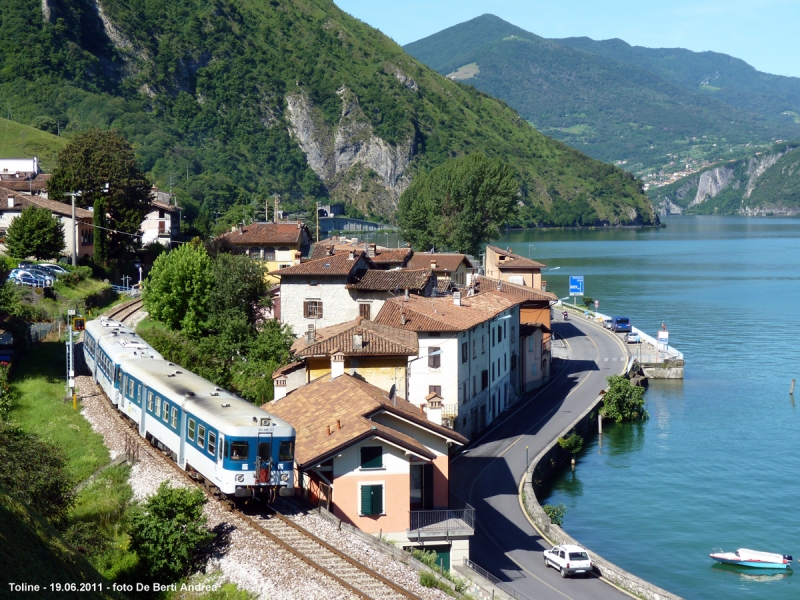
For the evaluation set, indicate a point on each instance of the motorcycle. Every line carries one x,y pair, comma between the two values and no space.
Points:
566,315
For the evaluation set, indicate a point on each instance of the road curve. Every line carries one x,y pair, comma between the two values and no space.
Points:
487,475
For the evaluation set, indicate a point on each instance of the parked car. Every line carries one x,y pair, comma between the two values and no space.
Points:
48,277
54,269
620,324
568,560
25,278
607,323
633,338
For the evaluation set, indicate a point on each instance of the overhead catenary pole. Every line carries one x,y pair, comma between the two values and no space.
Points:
74,236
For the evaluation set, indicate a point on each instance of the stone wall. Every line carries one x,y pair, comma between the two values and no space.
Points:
545,465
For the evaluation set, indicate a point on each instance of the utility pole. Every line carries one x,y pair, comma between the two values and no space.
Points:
74,230
318,222
71,359
275,197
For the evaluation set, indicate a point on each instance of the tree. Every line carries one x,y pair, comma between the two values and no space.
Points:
622,401
240,291
98,164
35,233
169,530
573,443
178,289
100,231
460,204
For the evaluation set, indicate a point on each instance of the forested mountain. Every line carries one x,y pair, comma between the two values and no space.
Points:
765,183
613,109
229,102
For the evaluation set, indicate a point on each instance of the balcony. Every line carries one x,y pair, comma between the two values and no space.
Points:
442,523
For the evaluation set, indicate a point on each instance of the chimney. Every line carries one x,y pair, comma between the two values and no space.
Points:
457,298
331,250
280,388
337,365
544,285
329,429
371,251
434,410
233,228
310,334
402,318
338,423
352,255
11,202
405,295
358,341
433,265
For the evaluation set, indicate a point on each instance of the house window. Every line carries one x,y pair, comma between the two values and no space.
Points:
435,389
474,385
483,344
201,436
533,368
312,309
464,352
474,344
513,361
363,311
484,379
434,360
254,252
505,362
269,254
191,429
371,457
505,330
530,344
371,500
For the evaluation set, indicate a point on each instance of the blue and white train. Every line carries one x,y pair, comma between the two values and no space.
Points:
236,447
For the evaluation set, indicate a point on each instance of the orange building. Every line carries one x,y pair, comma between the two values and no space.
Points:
377,462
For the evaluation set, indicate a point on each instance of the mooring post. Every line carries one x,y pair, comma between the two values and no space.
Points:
599,423
791,390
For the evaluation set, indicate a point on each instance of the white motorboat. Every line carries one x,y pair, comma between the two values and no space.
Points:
753,558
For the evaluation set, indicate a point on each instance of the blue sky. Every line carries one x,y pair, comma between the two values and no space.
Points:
762,32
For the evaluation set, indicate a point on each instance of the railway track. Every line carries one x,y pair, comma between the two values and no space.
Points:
125,310
358,579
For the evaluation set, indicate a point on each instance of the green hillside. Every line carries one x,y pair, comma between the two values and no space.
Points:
728,79
230,102
20,141
31,552
612,110
762,183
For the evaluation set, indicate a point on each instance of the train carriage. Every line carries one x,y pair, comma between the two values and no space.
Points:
234,445
95,330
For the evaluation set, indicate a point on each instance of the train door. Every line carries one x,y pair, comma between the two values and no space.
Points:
264,458
220,454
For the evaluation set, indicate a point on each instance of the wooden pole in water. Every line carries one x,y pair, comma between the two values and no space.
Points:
599,423
791,391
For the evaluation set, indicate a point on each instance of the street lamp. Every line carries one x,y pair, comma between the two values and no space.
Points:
408,375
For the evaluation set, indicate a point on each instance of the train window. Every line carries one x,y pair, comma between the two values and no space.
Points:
174,418
158,406
220,450
165,415
119,376
130,387
239,450
264,451
212,443
201,436
286,451
139,393
191,429
150,401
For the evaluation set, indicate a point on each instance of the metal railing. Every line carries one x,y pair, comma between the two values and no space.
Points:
442,520
449,411
494,580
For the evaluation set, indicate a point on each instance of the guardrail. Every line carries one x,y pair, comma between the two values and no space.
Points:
494,580
444,520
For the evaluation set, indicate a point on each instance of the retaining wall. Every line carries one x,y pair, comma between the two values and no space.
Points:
551,460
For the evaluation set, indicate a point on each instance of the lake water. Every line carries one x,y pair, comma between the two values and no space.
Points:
718,462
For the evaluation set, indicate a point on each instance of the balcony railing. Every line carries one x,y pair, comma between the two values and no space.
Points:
442,522
449,411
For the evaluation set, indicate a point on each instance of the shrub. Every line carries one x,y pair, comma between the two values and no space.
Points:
75,276
168,531
622,401
572,443
556,513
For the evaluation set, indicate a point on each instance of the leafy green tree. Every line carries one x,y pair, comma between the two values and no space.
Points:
97,164
168,531
100,231
35,473
178,289
460,204
35,233
573,443
622,401
240,290
556,513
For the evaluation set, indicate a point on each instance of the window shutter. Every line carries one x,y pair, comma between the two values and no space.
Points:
377,499
371,457
366,500
434,361
363,310
305,310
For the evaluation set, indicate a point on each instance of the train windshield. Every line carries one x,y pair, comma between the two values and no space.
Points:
264,451
239,450
286,451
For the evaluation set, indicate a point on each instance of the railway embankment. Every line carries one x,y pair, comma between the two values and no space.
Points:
551,460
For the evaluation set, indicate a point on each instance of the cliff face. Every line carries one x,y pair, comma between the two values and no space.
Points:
712,183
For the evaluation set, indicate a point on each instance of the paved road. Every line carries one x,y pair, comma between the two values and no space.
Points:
488,474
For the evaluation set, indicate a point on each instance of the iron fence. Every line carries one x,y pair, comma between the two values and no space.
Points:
494,580
443,520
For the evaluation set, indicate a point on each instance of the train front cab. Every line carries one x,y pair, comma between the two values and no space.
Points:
259,465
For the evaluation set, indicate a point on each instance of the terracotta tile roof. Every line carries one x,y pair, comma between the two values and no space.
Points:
383,256
21,202
338,264
164,206
444,287
515,261
444,262
38,184
377,280
377,339
487,283
441,314
266,233
345,404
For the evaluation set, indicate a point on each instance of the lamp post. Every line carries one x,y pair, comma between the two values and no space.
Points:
74,229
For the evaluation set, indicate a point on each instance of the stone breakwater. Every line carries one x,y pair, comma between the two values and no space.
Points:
543,467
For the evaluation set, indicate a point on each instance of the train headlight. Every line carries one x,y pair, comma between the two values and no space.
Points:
284,477
240,478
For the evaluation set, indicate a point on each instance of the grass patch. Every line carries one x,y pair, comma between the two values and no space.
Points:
39,408
219,591
148,324
23,140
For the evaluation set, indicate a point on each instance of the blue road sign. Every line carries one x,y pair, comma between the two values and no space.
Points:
576,285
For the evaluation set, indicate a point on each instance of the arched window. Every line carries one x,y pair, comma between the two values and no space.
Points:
269,253
284,249
254,252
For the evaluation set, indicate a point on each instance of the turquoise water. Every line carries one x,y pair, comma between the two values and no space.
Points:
718,462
